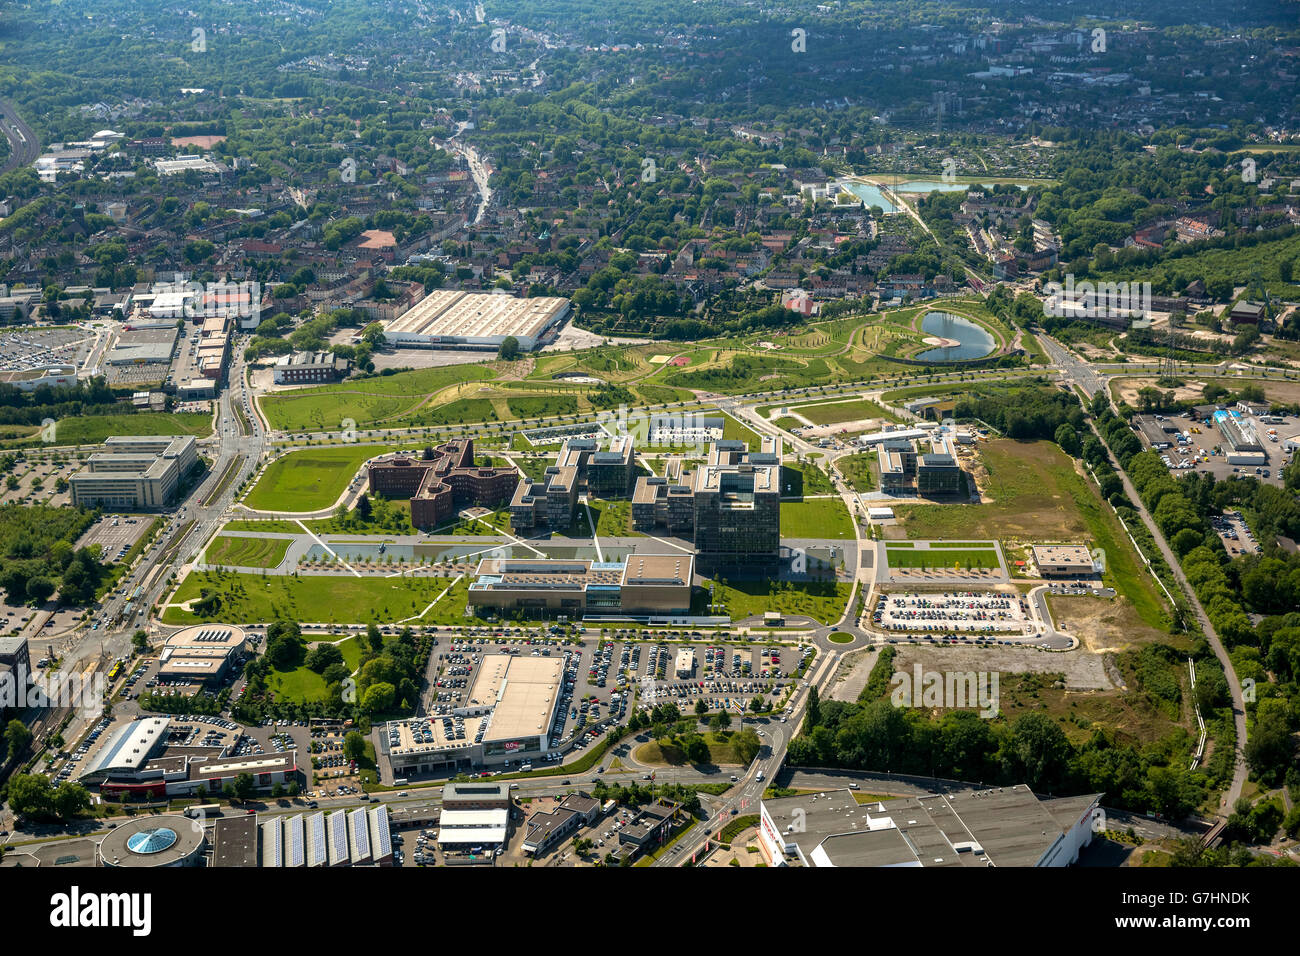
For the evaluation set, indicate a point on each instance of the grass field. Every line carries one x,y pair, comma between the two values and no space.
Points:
328,599
816,518
304,685
308,480
942,557
804,478
92,429
367,401
833,413
228,551
1036,495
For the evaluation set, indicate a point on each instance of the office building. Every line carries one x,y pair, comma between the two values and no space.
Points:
135,472
581,465
1063,560
638,585
308,367
441,486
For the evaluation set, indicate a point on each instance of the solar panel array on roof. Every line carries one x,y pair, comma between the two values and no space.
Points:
296,851
272,844
337,834
317,855
381,835
359,833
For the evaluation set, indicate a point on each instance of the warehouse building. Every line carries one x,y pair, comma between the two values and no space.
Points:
439,487
640,584
234,841
506,717
1154,431
449,319
1002,826
360,837
1241,439
135,472
144,346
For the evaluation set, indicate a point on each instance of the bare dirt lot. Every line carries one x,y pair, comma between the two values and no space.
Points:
1083,670
1102,624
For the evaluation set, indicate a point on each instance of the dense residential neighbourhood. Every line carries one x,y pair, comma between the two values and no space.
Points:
674,435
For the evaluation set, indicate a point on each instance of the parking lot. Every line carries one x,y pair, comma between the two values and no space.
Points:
115,534
38,478
1237,538
968,611
32,348
1202,448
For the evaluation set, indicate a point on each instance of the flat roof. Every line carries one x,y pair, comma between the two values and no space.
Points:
1062,554
526,690
449,313
234,841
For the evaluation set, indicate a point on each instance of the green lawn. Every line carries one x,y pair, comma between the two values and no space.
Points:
804,478
942,557
309,480
229,551
816,518
832,413
367,401
821,600
858,470
92,429
330,599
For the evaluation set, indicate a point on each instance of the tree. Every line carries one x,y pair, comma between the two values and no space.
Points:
756,705
277,790
814,707
354,746
323,656
1068,439
374,638
18,736
245,786
720,721
509,349
746,744
363,508
701,708
140,641
31,795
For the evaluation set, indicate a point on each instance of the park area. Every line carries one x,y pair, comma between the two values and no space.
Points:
309,480
231,551
337,598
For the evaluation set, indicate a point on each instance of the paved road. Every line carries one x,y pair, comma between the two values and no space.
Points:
1079,372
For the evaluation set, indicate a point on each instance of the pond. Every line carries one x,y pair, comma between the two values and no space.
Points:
872,196
970,341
